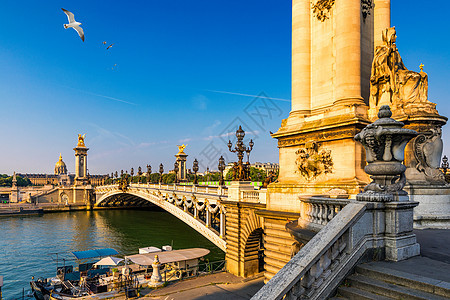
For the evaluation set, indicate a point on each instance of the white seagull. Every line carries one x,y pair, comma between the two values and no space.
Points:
74,24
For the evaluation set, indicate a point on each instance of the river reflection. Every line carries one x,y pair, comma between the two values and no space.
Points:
26,242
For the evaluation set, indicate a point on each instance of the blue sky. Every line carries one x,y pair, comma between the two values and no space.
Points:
157,86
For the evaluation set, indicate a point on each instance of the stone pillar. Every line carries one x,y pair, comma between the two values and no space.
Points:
222,222
208,215
301,57
348,52
80,162
382,19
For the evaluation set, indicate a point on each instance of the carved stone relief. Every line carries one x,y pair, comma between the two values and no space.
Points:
321,9
318,137
311,163
427,149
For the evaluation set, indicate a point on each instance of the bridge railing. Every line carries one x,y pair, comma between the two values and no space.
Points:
321,210
214,190
254,196
316,270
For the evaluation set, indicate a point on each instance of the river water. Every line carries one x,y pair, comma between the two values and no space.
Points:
26,242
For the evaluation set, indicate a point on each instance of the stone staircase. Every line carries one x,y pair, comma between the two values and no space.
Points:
416,278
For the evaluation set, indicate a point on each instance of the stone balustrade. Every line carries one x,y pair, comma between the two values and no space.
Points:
309,274
254,196
321,210
350,231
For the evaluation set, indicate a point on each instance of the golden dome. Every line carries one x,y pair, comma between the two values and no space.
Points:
60,166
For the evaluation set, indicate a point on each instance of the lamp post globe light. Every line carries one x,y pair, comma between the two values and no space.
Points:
241,171
195,169
221,168
161,171
175,168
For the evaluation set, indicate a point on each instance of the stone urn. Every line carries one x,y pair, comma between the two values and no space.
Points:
384,141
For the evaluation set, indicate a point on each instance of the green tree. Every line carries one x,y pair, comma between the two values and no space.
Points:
6,180
168,178
229,175
257,175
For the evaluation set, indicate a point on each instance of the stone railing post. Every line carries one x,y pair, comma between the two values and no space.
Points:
384,141
222,222
208,214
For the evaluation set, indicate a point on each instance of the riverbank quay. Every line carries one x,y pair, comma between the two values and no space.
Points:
22,209
219,286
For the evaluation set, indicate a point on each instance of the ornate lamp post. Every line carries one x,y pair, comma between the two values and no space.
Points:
240,169
139,174
175,168
221,168
195,169
132,172
149,173
444,164
161,171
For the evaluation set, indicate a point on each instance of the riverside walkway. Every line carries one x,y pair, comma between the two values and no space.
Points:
433,263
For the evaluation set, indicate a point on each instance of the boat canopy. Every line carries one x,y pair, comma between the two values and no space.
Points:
109,261
168,256
94,253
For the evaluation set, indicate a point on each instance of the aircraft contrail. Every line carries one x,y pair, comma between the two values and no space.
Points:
98,95
248,95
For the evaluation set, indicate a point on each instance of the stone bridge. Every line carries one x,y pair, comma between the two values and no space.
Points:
230,217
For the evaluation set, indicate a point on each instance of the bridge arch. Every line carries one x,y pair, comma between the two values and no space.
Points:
170,204
254,247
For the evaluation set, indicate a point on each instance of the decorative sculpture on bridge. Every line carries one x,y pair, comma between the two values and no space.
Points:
312,163
391,83
81,140
181,148
427,149
385,141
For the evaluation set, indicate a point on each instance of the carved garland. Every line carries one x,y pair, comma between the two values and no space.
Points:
321,9
366,7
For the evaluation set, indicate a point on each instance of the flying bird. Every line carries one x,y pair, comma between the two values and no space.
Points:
109,46
74,24
104,42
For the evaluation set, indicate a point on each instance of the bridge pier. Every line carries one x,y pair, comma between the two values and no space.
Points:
244,232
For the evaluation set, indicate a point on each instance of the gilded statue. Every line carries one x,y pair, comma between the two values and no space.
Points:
181,148
391,83
81,140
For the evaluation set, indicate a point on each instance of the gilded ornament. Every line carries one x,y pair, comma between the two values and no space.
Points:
181,148
311,163
321,9
81,140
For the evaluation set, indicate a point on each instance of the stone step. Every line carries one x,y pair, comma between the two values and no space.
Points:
387,289
346,292
409,280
